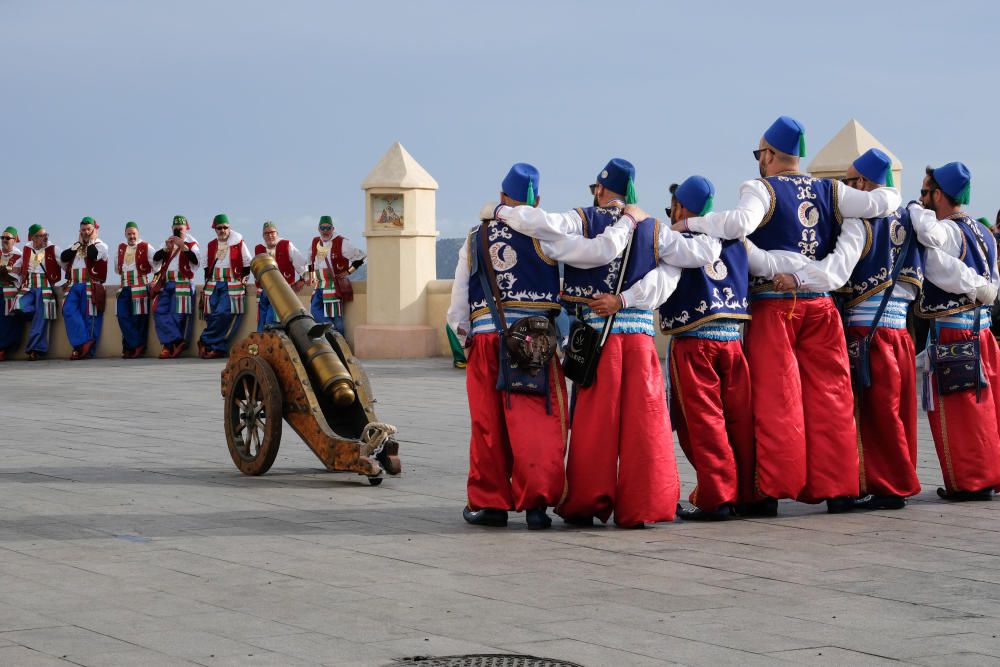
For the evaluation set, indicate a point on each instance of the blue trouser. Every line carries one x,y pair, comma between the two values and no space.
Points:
221,322
316,309
135,328
265,312
171,327
11,329
81,326
33,309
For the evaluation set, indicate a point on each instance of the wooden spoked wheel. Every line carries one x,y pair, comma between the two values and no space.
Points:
253,416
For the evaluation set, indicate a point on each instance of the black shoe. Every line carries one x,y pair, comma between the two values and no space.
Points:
485,517
766,507
537,519
582,521
966,496
695,514
873,502
839,505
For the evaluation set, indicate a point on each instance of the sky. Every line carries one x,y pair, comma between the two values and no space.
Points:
277,111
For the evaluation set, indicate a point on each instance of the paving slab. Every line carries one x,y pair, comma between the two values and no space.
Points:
128,537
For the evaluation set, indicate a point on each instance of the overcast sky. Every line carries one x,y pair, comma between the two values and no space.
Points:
265,110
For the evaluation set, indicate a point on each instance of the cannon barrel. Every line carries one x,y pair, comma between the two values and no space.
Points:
328,372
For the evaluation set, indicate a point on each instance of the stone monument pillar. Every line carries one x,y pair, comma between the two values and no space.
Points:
837,155
401,230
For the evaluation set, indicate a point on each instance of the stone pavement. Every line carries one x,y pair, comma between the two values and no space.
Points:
127,537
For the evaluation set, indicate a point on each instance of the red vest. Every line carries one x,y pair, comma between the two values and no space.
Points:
142,264
235,257
97,269
52,271
14,255
283,256
335,260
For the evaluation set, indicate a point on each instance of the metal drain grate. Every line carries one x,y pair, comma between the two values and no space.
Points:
482,660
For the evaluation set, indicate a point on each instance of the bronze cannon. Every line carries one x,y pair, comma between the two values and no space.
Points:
305,373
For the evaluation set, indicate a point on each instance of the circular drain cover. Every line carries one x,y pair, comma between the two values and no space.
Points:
483,660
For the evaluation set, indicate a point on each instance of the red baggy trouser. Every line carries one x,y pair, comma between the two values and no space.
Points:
886,413
621,451
517,449
710,390
965,433
803,403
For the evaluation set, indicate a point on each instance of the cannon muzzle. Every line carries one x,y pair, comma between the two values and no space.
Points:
328,373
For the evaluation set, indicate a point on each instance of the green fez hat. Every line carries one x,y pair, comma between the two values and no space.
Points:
87,220
325,220
34,229
131,225
270,225
180,220
13,232
221,219
986,222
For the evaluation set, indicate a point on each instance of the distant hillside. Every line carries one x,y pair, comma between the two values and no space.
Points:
447,257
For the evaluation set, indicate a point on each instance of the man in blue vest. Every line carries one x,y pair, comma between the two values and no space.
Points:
621,456
803,411
709,376
886,409
964,423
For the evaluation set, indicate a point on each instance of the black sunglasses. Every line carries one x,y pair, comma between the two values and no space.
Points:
593,188
926,191
6,238
850,181
760,151
221,227
326,229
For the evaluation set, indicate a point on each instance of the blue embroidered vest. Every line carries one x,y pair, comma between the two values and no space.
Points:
718,290
525,276
581,285
803,218
885,239
979,252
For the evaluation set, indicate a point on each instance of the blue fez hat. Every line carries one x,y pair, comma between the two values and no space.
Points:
954,180
521,183
696,194
787,135
618,176
876,166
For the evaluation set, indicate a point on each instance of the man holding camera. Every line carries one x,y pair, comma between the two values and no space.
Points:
134,264
86,266
964,415
11,326
224,298
173,288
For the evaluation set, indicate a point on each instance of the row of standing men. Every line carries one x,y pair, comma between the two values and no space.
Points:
159,281
761,389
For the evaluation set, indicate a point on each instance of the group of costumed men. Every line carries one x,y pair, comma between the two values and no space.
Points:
790,371
159,282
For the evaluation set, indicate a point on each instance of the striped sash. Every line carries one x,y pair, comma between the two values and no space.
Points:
39,282
236,290
333,306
